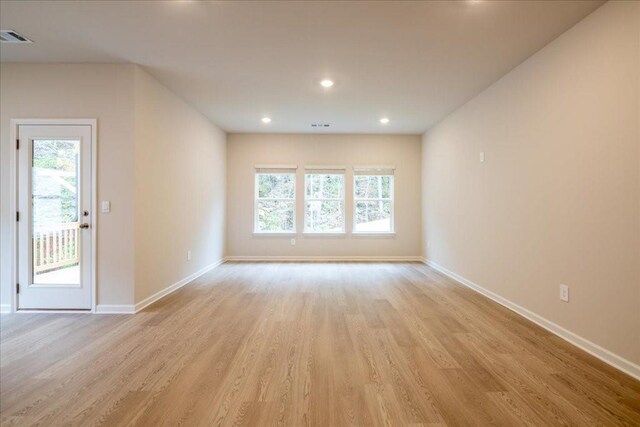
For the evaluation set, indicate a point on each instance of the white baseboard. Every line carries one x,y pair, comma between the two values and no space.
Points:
325,258
601,353
172,288
5,308
115,309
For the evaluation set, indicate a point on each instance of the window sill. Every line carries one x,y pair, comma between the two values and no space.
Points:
332,234
279,234
371,234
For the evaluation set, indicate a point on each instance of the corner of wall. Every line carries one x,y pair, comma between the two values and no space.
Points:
423,200
180,175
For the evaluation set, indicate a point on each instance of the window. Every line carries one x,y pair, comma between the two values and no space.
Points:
275,204
324,200
373,199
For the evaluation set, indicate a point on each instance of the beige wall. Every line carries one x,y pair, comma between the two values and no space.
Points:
558,198
180,188
244,151
104,92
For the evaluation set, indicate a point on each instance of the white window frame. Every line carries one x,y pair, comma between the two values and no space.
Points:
330,170
276,170
391,199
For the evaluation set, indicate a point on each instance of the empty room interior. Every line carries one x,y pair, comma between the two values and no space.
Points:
320,213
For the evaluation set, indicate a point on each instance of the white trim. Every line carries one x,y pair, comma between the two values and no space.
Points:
115,309
13,207
94,213
321,234
593,349
5,308
54,122
275,166
13,194
274,234
373,234
373,168
53,311
356,258
320,167
172,288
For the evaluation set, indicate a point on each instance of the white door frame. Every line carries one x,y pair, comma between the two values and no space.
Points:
13,201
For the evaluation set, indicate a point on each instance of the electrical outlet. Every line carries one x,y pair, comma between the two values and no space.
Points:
293,242
189,255
564,293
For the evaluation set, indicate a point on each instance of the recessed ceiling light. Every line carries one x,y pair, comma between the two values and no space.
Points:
326,83
266,120
384,120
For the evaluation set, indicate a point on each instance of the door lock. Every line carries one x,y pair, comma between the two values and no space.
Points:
84,225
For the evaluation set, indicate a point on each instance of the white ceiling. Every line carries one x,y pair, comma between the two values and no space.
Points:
236,62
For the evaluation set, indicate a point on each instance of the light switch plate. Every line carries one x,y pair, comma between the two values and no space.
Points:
105,206
564,293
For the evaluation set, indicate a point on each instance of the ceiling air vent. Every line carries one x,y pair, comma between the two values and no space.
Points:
10,36
320,125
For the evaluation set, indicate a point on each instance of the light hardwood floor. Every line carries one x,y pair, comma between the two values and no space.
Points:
324,344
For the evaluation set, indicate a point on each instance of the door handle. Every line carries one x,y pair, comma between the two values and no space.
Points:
83,225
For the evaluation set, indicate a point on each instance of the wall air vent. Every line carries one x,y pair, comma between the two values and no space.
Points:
320,125
10,36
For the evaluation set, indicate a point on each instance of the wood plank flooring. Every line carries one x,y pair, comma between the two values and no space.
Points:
323,344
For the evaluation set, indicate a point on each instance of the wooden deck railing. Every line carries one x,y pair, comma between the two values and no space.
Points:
55,246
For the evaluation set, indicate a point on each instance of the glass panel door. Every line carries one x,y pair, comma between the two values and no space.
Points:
55,211
55,231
